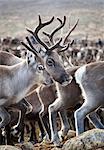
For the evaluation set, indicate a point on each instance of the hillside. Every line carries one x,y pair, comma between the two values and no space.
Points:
15,15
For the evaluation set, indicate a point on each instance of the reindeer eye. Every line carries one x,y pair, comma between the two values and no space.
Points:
50,62
25,53
41,67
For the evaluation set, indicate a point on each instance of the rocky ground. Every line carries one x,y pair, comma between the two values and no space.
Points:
89,140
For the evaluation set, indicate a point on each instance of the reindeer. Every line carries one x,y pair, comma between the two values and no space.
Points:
24,105
60,104
66,99
24,74
90,79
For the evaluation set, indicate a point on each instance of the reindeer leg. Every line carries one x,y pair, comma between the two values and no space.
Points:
0,136
43,120
64,124
5,117
100,113
53,109
42,132
33,137
24,107
95,120
80,115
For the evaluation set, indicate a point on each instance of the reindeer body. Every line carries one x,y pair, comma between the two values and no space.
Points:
8,59
90,78
19,75
67,98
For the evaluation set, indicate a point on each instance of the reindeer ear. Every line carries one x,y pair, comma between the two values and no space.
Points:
31,58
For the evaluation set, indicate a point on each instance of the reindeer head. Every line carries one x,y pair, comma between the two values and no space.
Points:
49,56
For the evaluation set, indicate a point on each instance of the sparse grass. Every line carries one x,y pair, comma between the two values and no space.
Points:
16,15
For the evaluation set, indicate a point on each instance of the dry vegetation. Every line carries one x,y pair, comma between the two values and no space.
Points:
15,15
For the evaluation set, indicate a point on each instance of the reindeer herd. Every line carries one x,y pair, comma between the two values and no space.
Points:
48,83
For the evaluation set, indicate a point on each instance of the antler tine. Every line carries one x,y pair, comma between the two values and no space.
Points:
37,38
40,21
31,48
40,26
30,43
70,31
57,45
61,20
27,47
72,42
50,36
65,48
58,28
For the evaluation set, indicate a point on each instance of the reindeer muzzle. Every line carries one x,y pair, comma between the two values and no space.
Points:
65,79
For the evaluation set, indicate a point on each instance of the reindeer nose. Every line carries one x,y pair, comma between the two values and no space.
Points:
51,81
28,61
65,79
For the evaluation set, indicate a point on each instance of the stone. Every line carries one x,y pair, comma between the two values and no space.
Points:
27,146
8,147
89,140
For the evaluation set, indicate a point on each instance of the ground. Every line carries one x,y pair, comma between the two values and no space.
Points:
15,15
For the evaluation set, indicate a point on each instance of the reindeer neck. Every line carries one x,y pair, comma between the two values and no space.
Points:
24,76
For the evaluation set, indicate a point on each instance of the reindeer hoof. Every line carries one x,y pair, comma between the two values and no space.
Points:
61,136
59,145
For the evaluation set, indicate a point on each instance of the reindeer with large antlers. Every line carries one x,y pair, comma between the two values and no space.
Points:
90,80
66,98
50,57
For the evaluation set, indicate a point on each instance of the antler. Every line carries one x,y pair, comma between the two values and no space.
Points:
35,34
65,48
50,36
70,31
31,48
